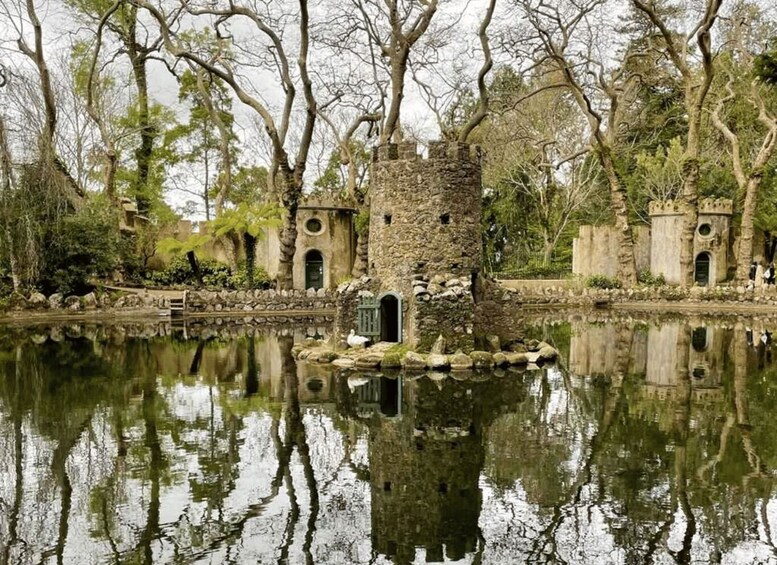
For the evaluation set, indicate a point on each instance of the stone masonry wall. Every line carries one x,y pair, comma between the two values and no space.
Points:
444,306
259,300
424,213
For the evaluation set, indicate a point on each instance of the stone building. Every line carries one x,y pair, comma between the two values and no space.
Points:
595,249
425,250
326,244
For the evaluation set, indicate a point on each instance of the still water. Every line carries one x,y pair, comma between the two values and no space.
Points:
651,441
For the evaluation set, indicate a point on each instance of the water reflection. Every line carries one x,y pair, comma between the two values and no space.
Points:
651,442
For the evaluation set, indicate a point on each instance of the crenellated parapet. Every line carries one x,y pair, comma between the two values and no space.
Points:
716,207
667,208
316,202
408,151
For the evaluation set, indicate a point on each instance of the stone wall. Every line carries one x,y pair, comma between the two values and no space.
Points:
205,301
444,306
595,250
424,213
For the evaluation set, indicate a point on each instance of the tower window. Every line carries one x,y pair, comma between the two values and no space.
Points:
387,219
314,226
387,486
445,219
705,229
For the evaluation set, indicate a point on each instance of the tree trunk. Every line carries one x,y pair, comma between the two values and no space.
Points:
690,221
745,251
250,245
290,195
195,265
144,151
627,269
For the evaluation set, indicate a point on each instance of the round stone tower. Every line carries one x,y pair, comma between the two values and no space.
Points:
424,213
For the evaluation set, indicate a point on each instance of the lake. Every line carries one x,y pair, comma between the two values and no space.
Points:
650,441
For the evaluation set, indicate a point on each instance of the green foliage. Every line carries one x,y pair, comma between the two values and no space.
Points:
249,185
240,278
214,274
765,67
86,245
247,218
176,247
649,279
602,282
362,222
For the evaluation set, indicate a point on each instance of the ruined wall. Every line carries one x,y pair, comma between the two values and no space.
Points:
424,213
595,250
206,301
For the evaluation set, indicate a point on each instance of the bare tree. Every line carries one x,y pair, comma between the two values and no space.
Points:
287,170
697,79
749,153
565,40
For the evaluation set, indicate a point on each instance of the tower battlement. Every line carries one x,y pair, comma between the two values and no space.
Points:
716,206
408,151
667,208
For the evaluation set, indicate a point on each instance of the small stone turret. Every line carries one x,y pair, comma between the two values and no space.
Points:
424,213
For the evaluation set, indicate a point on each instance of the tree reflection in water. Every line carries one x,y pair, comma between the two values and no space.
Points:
650,443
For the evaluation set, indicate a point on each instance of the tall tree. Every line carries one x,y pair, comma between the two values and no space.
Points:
287,168
751,144
565,41
678,45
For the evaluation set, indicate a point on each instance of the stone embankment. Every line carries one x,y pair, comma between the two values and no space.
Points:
204,302
699,297
388,356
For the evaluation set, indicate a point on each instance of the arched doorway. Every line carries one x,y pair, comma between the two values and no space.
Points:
390,318
314,269
702,269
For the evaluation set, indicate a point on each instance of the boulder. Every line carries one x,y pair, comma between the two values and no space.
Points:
532,345
344,362
55,301
439,345
391,360
438,361
482,359
369,361
517,358
500,359
89,301
412,361
494,344
72,303
460,361
547,353
38,300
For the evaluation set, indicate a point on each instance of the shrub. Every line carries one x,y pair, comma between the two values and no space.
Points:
85,245
602,281
240,279
214,274
649,279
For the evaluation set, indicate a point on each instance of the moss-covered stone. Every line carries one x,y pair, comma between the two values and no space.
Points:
460,362
500,359
412,361
482,359
391,360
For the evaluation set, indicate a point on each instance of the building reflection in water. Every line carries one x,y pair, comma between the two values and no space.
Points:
426,453
655,352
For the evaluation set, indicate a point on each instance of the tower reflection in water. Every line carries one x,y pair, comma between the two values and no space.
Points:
426,453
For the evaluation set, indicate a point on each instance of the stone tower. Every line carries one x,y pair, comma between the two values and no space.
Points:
711,241
424,213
